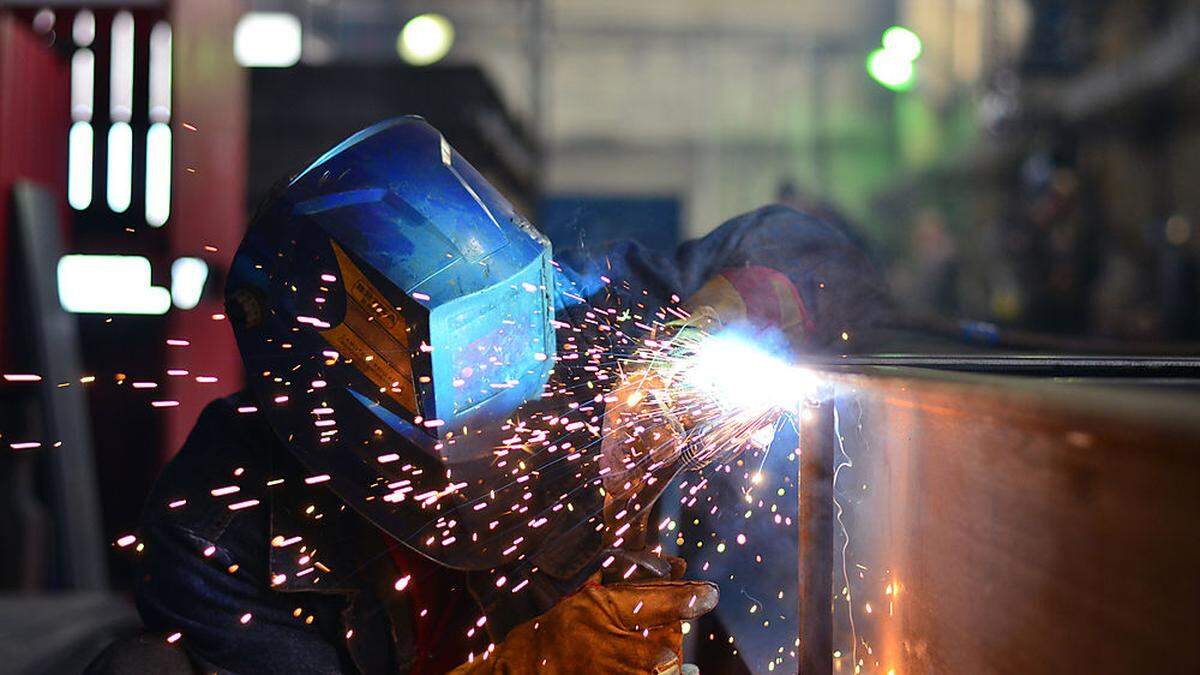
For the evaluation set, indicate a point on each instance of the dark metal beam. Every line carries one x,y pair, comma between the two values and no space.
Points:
817,443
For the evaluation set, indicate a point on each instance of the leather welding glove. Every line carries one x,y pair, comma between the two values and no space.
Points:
632,627
757,297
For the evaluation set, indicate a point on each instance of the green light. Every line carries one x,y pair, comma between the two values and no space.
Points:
894,66
902,42
890,70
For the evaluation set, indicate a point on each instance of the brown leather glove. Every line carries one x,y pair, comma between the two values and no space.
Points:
616,628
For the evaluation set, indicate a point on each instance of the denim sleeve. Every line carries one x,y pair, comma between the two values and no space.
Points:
205,568
232,621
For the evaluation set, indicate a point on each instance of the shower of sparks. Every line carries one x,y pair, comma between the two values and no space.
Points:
659,395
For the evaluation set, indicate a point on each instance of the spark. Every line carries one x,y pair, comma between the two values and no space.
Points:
22,377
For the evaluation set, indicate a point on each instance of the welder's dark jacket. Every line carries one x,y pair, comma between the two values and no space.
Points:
230,583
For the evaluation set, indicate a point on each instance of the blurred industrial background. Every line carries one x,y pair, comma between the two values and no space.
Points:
1026,162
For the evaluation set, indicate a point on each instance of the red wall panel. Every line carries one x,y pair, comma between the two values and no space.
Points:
34,120
208,211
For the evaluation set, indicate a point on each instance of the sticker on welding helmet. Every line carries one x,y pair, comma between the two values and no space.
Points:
374,336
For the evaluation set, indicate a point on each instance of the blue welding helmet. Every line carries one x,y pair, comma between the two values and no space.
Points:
393,311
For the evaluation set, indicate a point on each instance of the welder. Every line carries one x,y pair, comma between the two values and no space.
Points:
349,511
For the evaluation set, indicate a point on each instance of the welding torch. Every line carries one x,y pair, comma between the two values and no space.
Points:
696,401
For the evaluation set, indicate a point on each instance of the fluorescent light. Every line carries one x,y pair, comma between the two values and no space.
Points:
79,166
83,83
109,284
267,40
120,166
83,29
187,281
160,72
120,104
425,39
158,174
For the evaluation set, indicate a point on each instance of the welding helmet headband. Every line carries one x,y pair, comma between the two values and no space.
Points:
392,311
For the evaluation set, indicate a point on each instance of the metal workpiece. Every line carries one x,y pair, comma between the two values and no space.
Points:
1045,365
1003,524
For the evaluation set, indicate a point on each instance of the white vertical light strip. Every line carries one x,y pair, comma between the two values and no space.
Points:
121,75
120,109
160,72
158,174
120,166
83,29
158,137
83,84
79,165
80,140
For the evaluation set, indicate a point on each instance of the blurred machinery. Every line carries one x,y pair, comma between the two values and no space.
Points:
298,112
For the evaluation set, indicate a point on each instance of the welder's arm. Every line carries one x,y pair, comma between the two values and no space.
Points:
828,275
615,628
224,610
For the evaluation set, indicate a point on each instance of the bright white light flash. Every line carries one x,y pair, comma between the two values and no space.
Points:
267,40
187,281
109,284
739,375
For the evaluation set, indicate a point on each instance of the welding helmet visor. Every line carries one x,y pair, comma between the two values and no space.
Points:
394,313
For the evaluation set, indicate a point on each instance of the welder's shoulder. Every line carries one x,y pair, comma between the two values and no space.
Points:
224,463
779,224
205,565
